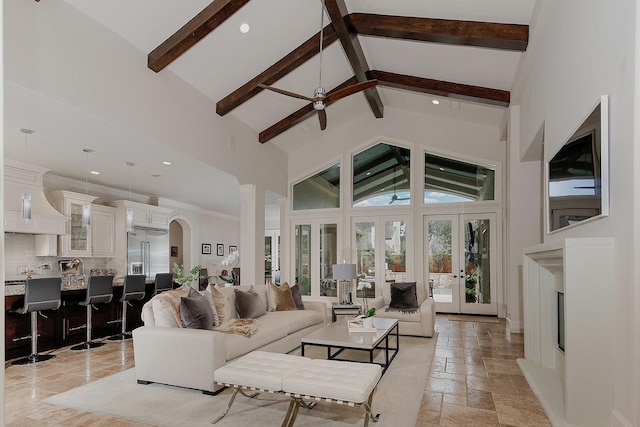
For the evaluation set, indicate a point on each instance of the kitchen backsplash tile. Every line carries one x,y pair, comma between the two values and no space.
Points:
19,250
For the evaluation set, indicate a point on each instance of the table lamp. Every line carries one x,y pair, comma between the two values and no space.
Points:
343,274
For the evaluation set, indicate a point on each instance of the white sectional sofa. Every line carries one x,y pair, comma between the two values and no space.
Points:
420,322
188,357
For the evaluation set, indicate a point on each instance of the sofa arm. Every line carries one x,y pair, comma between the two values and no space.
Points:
317,306
377,302
427,317
178,356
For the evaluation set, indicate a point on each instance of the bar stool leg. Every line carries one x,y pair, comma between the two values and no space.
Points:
34,357
88,343
123,335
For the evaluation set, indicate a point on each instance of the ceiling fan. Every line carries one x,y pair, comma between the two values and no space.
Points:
320,98
395,197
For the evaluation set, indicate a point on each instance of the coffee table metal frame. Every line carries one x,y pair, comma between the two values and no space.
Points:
337,336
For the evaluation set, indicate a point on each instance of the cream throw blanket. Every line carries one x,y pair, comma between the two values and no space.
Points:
244,327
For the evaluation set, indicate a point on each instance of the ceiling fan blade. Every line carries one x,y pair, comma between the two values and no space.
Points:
350,90
322,116
286,92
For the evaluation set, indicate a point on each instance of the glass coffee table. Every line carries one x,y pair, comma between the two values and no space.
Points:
337,338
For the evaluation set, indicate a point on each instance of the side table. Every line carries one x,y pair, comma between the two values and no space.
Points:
338,309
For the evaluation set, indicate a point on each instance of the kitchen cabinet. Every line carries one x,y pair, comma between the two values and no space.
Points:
145,215
98,240
77,241
103,231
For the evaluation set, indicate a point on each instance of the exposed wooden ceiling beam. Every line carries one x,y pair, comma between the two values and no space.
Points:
441,88
284,66
469,33
298,116
337,11
192,32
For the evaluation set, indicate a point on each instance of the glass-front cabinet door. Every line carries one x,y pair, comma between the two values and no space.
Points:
77,241
461,267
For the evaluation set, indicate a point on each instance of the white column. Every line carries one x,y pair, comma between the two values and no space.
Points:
251,234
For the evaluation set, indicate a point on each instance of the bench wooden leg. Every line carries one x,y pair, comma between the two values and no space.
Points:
233,396
292,412
368,414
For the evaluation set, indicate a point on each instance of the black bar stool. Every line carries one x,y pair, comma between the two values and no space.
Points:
99,291
163,282
39,294
132,290
203,279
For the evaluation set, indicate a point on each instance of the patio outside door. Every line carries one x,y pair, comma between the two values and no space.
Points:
461,262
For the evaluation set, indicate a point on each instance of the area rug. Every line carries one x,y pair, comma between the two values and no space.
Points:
397,398
466,318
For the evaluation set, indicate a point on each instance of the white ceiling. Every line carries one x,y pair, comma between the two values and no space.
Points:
226,59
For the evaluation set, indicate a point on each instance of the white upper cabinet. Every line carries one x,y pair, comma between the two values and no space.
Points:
97,240
103,231
145,215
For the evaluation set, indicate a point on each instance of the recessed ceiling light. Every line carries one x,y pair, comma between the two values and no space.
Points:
435,102
95,173
368,173
244,28
166,163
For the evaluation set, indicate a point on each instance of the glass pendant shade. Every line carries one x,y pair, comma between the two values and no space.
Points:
26,207
129,219
86,215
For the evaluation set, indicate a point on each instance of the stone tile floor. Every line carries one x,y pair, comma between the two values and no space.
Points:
474,378
474,381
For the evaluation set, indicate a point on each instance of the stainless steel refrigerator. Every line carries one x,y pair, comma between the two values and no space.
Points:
148,252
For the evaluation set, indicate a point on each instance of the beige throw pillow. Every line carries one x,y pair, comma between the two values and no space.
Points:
280,297
220,304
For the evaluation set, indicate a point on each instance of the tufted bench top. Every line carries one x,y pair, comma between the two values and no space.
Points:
260,370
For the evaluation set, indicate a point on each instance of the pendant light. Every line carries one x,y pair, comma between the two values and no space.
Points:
86,208
129,211
26,197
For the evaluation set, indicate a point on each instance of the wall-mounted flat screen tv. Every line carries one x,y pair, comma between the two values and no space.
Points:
578,174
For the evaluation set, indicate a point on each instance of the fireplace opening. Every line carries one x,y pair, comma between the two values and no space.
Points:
561,329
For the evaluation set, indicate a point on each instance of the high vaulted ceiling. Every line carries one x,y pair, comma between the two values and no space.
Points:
467,50
464,53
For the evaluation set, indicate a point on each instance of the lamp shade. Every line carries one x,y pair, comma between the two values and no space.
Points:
344,272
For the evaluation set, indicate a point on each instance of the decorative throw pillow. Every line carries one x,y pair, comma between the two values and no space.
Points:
280,298
196,311
403,296
220,304
207,294
171,301
248,304
297,296
163,314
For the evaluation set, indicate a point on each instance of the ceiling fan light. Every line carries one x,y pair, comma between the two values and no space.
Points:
318,105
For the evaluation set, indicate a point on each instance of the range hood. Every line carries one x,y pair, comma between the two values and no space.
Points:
45,219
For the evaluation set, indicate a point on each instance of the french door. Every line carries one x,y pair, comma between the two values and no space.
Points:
461,262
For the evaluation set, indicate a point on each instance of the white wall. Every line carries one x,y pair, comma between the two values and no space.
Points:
578,52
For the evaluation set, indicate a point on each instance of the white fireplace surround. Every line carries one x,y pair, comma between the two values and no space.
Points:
575,388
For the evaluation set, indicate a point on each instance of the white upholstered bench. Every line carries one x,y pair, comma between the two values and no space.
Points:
305,381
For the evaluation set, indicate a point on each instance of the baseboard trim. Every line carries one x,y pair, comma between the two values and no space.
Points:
515,326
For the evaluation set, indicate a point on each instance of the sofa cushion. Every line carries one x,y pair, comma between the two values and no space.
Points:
166,307
268,332
221,304
293,320
403,296
248,304
196,311
280,297
297,296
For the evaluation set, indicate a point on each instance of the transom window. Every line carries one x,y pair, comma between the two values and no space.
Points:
450,181
319,191
381,176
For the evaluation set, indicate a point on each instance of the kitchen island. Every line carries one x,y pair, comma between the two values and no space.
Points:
65,326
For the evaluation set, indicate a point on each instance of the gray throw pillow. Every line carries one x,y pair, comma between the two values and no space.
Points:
403,296
196,311
248,304
297,296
